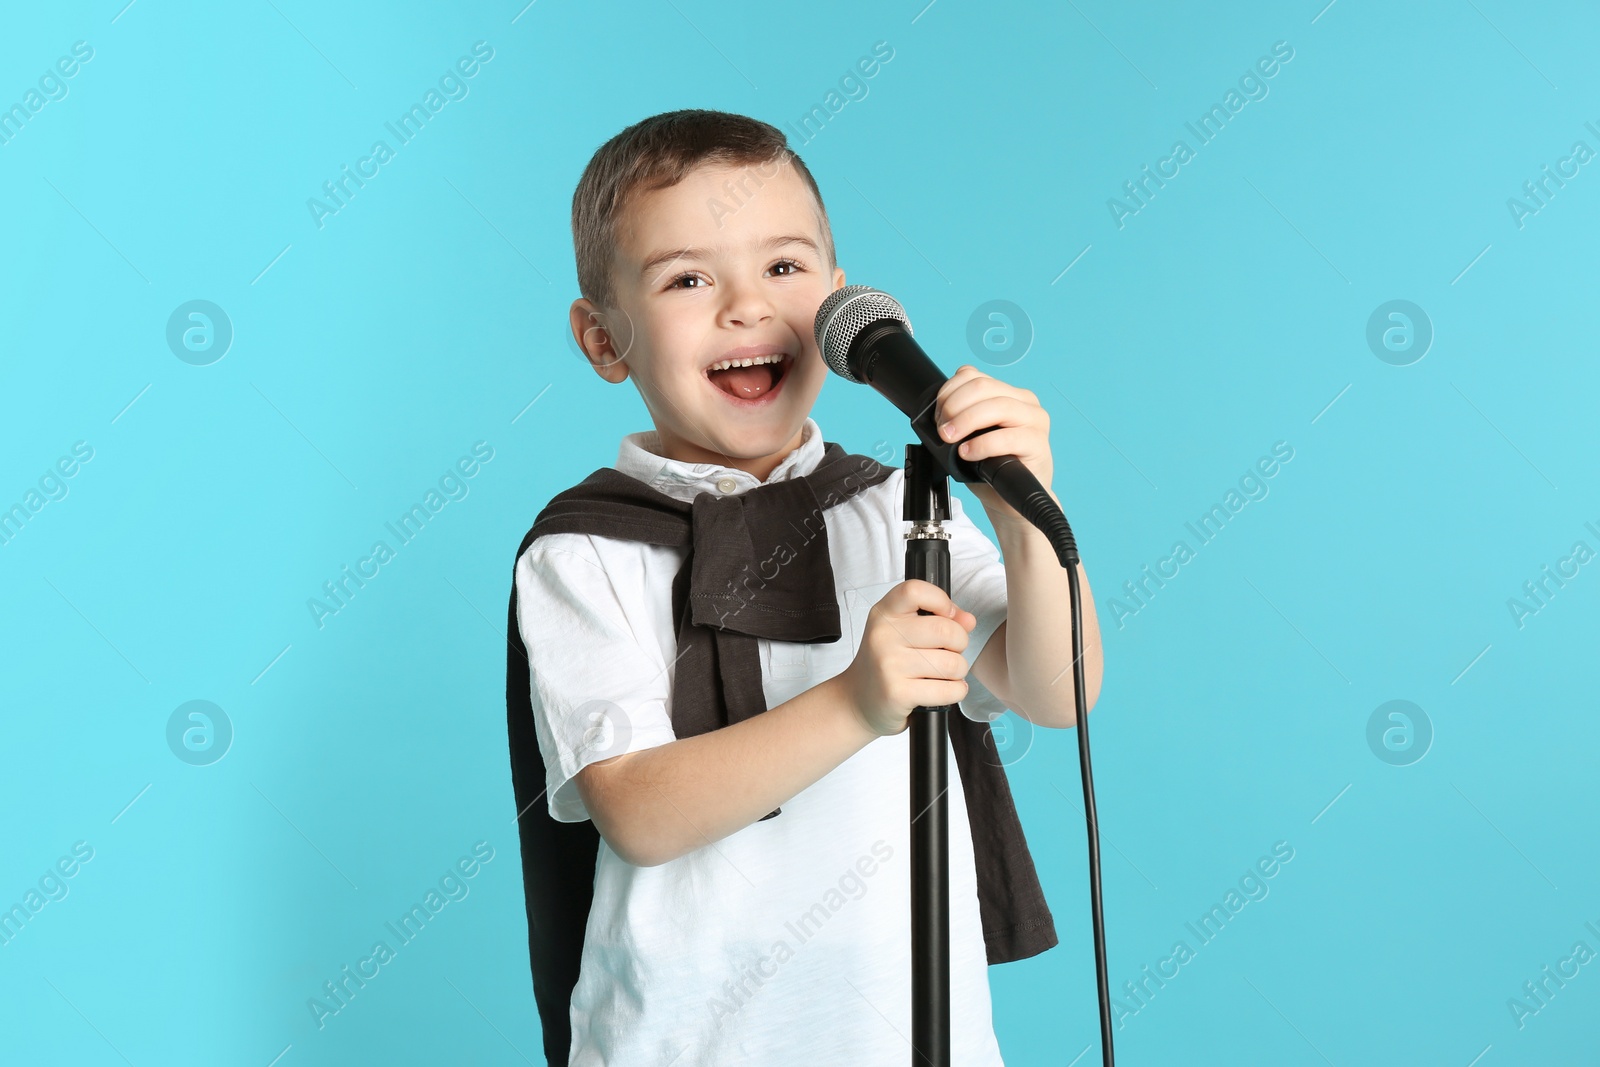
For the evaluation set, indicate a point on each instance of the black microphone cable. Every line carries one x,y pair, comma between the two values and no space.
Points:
865,337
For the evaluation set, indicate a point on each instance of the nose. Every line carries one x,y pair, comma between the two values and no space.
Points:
744,303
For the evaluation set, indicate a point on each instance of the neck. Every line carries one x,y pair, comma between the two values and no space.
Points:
761,467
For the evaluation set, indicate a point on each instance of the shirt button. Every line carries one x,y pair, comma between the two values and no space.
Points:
727,485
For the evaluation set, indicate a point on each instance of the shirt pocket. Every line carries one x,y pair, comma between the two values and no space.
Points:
858,602
786,660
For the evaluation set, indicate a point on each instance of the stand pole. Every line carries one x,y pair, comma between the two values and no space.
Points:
925,506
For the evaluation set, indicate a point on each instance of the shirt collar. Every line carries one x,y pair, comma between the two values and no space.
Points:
638,457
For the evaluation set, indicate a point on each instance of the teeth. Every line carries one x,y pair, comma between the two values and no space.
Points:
751,362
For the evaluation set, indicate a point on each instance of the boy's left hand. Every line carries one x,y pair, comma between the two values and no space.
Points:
971,401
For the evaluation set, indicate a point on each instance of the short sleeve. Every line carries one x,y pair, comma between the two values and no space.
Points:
598,686
978,584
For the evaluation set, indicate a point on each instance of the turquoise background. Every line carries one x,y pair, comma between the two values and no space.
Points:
369,354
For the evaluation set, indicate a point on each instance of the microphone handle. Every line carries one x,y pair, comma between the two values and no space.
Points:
888,358
885,356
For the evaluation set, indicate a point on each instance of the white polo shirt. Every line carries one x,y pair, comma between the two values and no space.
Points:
787,942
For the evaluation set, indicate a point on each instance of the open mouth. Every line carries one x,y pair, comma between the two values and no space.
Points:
753,384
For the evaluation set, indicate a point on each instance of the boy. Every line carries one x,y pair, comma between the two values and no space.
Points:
750,888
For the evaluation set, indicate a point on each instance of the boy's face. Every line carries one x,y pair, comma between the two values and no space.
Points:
705,271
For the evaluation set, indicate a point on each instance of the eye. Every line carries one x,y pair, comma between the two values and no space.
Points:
793,265
678,282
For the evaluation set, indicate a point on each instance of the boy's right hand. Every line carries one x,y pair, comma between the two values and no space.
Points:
908,660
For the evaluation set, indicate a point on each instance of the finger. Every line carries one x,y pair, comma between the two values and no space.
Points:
939,666
960,392
1005,409
931,662
1007,441
957,633
933,631
915,593
963,373
954,611
936,693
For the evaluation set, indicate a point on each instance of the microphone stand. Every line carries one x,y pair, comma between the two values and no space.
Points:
865,336
926,505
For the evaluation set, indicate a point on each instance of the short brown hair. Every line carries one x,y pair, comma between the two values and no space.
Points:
656,153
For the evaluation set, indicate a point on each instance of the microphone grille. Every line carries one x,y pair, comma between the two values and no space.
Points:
844,314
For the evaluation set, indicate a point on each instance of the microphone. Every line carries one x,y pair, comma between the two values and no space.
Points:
866,338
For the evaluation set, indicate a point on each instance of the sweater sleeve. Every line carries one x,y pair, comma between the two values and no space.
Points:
599,686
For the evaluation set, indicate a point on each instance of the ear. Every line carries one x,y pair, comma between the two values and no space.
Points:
594,339
838,278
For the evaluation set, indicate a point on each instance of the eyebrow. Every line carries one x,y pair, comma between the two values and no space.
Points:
670,256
